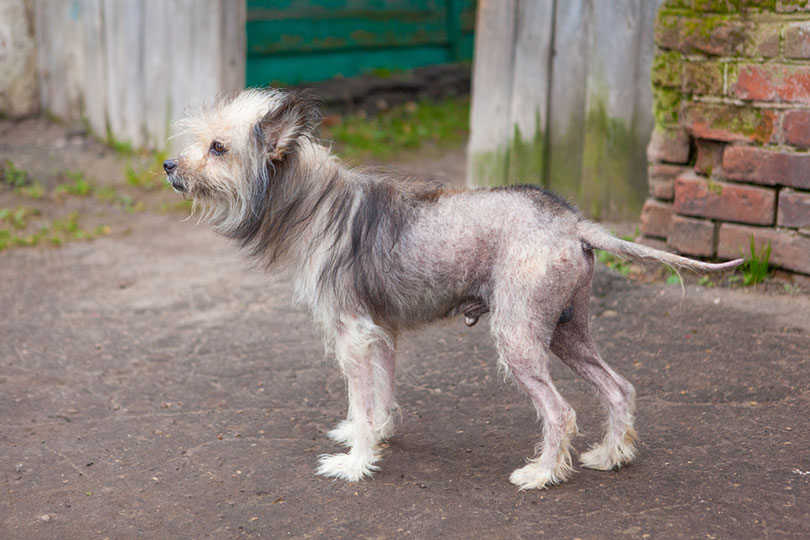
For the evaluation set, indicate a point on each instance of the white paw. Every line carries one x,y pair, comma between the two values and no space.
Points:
537,476
350,467
609,456
343,433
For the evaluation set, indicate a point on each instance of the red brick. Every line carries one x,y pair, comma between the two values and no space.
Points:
793,209
729,123
796,128
671,146
797,40
788,249
709,156
662,180
767,167
691,236
696,196
655,217
718,37
769,82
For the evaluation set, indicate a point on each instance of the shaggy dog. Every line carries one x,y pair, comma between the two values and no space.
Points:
373,254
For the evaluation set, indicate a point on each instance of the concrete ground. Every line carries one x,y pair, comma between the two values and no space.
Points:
153,386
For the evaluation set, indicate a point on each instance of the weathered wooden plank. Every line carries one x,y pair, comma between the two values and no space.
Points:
607,188
158,67
60,57
234,45
530,87
643,120
572,45
95,76
493,66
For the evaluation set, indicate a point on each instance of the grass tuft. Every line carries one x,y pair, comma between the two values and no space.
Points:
757,267
402,127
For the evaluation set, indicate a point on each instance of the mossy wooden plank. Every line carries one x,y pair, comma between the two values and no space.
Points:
572,44
490,111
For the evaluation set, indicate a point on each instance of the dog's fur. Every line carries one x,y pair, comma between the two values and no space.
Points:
374,254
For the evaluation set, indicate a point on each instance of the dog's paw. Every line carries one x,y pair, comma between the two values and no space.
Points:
609,456
349,467
343,433
537,476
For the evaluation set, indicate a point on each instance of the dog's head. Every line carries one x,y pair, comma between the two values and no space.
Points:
238,141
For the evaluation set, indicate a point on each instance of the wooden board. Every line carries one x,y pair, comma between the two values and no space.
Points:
581,126
127,69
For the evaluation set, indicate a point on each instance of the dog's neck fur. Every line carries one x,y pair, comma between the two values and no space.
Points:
318,218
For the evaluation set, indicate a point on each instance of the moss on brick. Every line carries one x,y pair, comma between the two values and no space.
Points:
704,26
703,78
730,122
794,4
733,6
666,105
666,69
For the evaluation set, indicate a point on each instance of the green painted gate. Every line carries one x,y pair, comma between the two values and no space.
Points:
294,41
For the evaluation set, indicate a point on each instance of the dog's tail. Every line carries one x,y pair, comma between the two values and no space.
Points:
598,237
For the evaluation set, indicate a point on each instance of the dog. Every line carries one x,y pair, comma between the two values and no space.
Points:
373,254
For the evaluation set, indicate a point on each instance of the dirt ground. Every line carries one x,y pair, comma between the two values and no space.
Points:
153,386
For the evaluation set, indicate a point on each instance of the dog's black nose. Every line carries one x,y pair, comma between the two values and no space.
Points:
169,165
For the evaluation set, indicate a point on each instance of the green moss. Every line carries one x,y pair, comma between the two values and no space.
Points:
403,127
704,26
752,123
526,158
612,167
666,69
666,106
703,78
490,168
714,187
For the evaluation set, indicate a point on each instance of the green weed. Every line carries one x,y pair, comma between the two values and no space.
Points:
673,278
402,127
32,191
149,178
614,262
756,268
12,175
78,185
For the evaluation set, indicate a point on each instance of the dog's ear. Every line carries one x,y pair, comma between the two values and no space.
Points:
297,116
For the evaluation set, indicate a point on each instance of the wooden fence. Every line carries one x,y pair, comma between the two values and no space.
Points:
127,68
561,97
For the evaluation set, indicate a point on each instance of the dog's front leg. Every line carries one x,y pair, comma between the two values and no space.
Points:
359,345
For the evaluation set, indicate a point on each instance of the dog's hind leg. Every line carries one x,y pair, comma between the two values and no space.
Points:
359,344
524,352
573,345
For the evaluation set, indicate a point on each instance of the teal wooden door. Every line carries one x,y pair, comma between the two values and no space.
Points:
294,41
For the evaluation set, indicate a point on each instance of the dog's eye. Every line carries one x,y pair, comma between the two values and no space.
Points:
218,148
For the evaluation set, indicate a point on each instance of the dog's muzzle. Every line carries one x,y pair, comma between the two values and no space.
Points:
170,166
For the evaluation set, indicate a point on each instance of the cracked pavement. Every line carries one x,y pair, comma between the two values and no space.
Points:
153,386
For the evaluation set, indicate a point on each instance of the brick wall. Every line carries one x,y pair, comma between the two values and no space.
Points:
730,154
